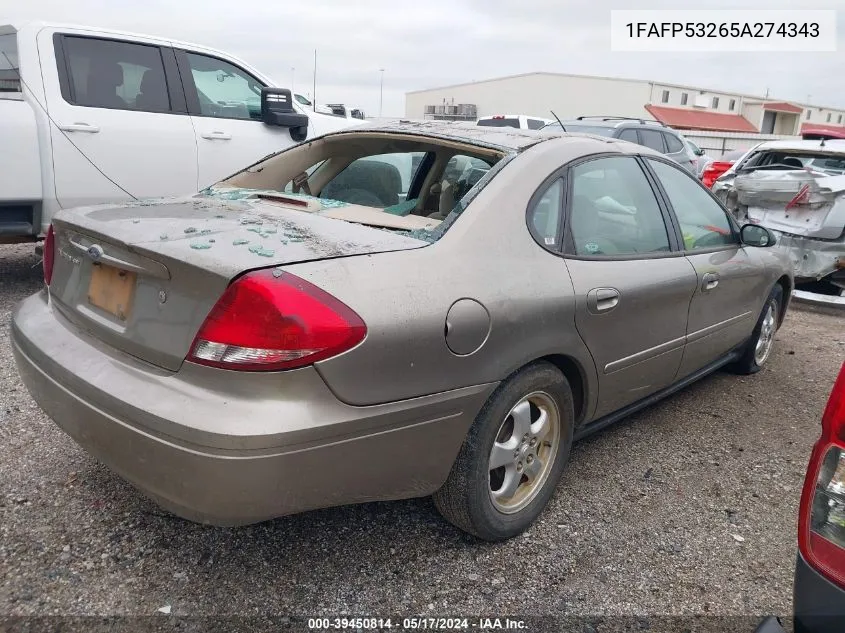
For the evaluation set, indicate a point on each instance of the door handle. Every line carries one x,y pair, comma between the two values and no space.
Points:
709,282
217,136
80,127
602,300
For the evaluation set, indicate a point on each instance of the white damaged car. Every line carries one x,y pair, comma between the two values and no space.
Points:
797,190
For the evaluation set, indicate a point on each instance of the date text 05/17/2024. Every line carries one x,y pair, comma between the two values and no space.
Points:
416,623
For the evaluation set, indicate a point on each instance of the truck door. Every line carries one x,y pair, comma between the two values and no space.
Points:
120,126
225,105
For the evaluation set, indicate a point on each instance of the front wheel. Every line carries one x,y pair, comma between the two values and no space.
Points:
759,346
513,456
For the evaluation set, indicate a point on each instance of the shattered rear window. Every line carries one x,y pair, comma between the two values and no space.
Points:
388,181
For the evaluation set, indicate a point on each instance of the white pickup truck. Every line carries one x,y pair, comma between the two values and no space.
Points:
91,116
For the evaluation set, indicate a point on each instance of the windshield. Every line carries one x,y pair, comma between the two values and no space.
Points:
580,128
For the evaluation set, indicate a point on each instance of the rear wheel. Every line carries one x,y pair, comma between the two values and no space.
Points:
759,346
513,456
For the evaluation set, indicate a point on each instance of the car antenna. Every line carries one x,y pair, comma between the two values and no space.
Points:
822,143
558,120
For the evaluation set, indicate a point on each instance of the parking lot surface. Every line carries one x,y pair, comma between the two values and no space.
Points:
686,508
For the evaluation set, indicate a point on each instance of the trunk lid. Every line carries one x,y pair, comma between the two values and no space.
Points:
143,276
798,202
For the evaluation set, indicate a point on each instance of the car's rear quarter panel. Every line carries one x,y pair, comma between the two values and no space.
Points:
487,255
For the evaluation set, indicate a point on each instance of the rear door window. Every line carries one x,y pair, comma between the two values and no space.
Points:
535,124
111,74
9,64
653,139
613,211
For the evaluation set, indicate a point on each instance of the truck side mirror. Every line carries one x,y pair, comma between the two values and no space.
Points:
277,109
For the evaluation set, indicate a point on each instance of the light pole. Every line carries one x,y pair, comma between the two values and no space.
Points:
380,91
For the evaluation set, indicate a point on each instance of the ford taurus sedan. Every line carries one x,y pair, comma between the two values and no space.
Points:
311,332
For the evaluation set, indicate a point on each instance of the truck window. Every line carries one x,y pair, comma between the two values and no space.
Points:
499,122
9,77
224,90
110,74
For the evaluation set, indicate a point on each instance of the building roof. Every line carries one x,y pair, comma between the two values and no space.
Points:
782,106
689,119
668,84
836,131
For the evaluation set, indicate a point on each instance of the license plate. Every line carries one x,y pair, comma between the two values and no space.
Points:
112,290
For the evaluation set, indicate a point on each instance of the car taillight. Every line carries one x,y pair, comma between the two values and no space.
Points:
271,320
713,171
49,255
821,524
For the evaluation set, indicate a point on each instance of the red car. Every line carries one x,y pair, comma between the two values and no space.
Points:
718,167
819,590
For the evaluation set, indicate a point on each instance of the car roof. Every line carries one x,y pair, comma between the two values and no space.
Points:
830,145
508,139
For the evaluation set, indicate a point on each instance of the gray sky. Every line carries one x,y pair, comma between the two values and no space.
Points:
440,42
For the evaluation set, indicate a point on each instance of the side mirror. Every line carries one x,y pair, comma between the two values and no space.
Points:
699,152
277,109
756,235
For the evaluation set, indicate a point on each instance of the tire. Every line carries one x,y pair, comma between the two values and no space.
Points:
752,359
467,498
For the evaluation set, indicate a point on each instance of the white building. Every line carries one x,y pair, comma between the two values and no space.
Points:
570,96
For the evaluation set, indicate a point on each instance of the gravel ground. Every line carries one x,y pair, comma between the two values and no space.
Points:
686,508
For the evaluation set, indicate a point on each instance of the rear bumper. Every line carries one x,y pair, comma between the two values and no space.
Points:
819,604
229,448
